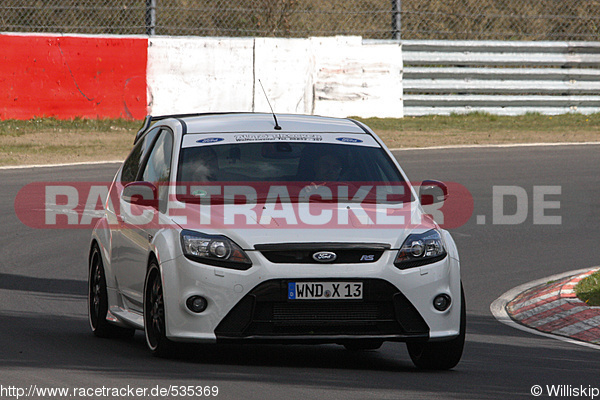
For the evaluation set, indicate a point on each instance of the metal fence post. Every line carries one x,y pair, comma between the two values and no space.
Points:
396,19
150,17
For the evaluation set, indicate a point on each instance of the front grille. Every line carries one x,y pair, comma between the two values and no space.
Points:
326,312
302,253
266,312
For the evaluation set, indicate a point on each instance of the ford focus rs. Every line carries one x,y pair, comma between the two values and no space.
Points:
262,228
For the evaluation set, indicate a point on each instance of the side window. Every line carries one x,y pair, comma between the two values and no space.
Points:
158,166
136,157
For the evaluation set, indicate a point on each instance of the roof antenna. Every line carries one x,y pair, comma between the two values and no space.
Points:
277,127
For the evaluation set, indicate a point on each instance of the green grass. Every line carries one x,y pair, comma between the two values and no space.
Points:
51,141
588,289
476,122
472,122
18,128
479,128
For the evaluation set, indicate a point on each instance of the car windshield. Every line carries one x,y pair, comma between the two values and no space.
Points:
294,164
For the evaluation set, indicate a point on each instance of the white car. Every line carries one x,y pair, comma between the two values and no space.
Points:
247,227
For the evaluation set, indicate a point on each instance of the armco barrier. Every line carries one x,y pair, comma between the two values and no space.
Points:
72,76
500,77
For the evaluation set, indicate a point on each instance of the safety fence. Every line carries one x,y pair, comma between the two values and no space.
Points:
372,19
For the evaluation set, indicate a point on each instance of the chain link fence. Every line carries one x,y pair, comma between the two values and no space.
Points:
501,19
372,19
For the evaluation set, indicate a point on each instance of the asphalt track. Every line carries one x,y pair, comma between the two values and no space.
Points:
45,339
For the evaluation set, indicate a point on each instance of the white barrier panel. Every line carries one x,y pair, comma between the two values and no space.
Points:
353,78
199,75
285,68
337,76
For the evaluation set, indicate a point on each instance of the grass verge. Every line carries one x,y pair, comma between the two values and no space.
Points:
51,141
477,129
588,289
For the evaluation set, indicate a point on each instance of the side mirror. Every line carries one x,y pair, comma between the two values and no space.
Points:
432,192
141,194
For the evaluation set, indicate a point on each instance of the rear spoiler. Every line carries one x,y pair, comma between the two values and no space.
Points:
150,119
144,128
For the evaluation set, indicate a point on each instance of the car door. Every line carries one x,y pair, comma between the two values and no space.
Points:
137,224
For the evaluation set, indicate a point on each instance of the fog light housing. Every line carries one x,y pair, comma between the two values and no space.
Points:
196,304
441,302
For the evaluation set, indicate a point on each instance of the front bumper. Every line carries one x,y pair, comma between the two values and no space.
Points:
252,305
266,314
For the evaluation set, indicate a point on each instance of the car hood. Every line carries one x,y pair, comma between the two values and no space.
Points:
320,222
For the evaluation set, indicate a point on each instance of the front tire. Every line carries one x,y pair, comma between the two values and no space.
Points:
441,355
98,301
154,314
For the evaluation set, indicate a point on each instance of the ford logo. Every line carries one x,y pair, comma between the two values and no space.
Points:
324,256
210,140
348,140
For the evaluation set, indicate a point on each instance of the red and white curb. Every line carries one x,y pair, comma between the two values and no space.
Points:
549,307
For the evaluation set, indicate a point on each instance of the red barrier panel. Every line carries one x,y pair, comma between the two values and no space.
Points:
72,76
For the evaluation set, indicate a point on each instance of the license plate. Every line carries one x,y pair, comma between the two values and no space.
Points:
325,290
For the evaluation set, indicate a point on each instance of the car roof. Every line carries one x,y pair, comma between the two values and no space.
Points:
259,122
243,122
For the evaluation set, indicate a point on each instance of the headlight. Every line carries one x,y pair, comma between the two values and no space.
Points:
213,250
420,249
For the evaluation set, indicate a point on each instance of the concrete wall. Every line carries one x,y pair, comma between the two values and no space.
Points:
337,76
109,77
197,75
72,76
